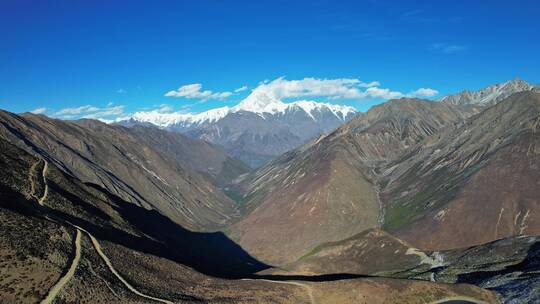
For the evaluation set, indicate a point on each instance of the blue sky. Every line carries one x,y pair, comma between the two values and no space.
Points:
124,56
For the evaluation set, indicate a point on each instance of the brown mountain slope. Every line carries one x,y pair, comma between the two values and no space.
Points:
387,130
477,183
55,229
44,212
208,159
366,253
326,190
117,160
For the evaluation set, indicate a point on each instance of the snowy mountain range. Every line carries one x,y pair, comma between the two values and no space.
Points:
259,128
260,104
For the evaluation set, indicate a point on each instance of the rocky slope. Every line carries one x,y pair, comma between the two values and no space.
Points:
472,184
208,159
256,130
489,95
117,159
66,241
252,138
326,190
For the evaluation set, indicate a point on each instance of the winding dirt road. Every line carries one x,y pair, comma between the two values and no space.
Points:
69,274
105,259
46,190
53,292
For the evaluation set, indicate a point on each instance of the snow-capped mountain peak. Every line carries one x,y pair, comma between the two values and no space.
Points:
163,120
259,128
340,111
259,102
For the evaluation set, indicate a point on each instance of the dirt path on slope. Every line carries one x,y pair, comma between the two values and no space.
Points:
60,284
33,194
44,176
308,288
105,259
69,274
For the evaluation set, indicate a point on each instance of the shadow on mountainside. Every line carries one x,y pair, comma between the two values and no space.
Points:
209,253
213,254
528,268
310,278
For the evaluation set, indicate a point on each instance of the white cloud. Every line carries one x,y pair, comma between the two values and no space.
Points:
39,110
334,88
121,91
193,91
241,89
370,84
340,88
279,89
423,92
77,110
375,92
90,111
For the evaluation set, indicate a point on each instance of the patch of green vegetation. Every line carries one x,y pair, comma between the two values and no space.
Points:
404,212
245,202
442,187
231,170
398,215
322,246
235,196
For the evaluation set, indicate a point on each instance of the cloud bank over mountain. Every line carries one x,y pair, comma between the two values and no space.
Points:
332,91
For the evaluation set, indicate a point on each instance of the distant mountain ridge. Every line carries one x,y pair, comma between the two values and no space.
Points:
257,129
489,95
260,104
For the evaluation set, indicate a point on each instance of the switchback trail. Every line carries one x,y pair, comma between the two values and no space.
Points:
41,199
69,274
308,288
105,259
44,176
60,284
